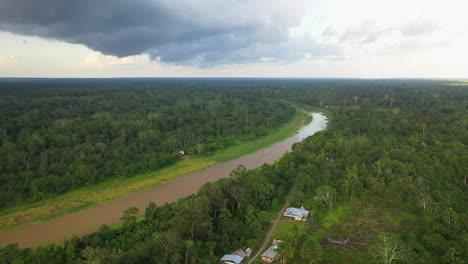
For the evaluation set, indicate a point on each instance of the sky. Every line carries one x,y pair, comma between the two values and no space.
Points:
234,38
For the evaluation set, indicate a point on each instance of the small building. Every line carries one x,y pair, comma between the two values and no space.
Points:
181,153
248,251
297,214
236,257
270,254
231,259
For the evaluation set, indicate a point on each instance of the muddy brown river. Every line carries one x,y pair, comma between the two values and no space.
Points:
89,220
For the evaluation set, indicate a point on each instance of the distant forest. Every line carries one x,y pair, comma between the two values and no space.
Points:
397,146
57,136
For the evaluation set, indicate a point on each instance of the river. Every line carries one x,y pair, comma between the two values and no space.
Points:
89,220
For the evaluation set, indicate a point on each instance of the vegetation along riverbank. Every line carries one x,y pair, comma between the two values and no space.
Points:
88,196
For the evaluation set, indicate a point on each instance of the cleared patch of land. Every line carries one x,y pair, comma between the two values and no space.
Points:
283,227
348,232
91,195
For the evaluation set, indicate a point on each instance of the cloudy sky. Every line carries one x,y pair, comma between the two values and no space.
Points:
234,38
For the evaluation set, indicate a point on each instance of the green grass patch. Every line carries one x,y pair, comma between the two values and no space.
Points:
283,227
335,216
88,196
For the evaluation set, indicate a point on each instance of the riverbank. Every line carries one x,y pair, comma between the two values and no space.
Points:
90,196
89,220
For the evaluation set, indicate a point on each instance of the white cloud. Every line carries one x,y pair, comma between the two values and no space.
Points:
96,60
7,61
267,59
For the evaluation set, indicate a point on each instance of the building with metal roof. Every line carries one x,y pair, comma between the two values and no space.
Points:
298,214
231,259
270,254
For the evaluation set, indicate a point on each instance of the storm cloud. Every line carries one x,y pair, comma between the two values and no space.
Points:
204,32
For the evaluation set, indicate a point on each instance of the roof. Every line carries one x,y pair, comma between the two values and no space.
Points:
296,212
276,241
239,252
233,258
270,252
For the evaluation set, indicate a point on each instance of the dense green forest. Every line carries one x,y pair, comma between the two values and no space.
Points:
396,147
59,135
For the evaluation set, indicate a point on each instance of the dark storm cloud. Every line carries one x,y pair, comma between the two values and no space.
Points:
178,31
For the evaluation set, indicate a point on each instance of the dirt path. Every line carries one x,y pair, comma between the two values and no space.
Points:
267,238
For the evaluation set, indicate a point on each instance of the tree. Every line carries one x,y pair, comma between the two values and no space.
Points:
130,215
238,193
311,250
449,215
327,194
387,250
194,216
350,180
285,251
168,245
425,199
293,235
188,244
451,257
150,212
100,256
240,170
215,195
355,100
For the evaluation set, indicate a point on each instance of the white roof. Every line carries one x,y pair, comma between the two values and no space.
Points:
233,258
296,212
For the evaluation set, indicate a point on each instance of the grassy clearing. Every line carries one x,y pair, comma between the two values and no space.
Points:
88,196
282,229
335,216
350,229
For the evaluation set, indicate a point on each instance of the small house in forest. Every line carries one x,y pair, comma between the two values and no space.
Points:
181,153
236,257
270,254
231,259
296,214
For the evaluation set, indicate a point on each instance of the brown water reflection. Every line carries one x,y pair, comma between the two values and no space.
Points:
88,220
